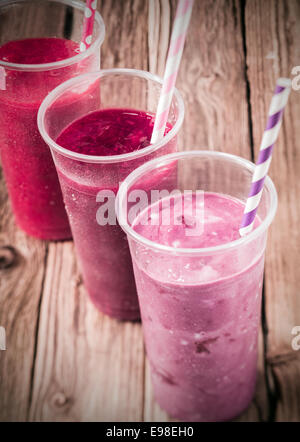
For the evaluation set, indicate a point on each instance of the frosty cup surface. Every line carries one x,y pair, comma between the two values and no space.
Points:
88,181
200,306
37,32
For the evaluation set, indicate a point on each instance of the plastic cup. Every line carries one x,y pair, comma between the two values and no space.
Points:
200,307
29,171
102,250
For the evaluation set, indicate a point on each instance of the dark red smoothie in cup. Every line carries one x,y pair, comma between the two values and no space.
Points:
102,248
28,167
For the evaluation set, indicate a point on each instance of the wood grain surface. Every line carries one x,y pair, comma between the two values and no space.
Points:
67,362
273,36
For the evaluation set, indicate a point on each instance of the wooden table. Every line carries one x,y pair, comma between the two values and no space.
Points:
65,361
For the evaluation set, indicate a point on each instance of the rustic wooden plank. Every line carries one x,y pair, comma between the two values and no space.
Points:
22,267
89,367
212,82
36,20
21,282
125,45
273,49
159,22
285,369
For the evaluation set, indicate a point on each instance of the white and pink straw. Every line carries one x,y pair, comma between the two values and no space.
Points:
278,103
180,27
88,25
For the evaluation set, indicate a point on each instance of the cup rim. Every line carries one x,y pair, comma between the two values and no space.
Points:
62,63
53,95
158,162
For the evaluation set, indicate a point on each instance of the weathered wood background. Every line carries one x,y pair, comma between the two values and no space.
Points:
66,362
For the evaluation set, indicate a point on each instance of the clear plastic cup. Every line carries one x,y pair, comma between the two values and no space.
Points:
102,250
29,171
200,307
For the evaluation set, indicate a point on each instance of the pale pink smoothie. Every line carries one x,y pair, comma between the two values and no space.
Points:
200,316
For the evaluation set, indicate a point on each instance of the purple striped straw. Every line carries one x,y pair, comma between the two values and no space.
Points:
278,103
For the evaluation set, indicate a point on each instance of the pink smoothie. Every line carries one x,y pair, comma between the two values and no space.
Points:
102,249
200,314
27,163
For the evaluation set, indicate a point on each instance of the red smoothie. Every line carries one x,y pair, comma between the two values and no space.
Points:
102,249
200,314
28,167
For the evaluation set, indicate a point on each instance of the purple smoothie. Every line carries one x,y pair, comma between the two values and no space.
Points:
200,315
28,167
103,249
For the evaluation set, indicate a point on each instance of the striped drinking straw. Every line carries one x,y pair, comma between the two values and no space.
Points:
88,25
278,103
180,27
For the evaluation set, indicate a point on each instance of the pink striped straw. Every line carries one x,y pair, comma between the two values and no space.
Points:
278,103
180,27
88,25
